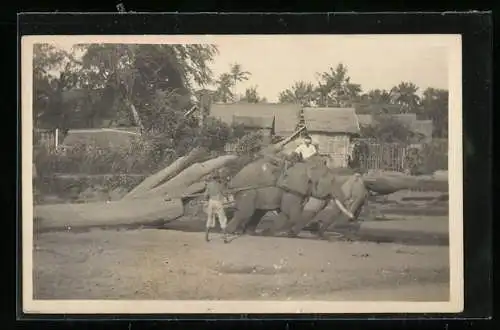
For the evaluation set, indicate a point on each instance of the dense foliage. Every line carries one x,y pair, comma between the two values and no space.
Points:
102,85
390,130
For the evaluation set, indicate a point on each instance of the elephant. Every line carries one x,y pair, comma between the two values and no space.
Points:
356,198
295,210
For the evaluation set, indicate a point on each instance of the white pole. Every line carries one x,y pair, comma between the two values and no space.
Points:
57,138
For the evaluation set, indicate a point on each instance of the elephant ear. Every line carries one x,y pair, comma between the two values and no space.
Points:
322,180
258,174
295,179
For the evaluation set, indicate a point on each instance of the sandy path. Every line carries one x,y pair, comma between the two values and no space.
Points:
167,264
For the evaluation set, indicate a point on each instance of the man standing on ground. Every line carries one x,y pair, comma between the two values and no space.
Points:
306,149
214,192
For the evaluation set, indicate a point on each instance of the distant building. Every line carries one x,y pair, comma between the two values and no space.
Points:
100,137
270,119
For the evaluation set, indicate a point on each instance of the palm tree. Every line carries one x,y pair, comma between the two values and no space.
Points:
335,87
251,95
379,96
301,92
405,94
350,93
224,85
435,107
238,75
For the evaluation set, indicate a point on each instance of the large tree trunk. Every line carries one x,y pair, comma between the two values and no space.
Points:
189,176
135,212
167,173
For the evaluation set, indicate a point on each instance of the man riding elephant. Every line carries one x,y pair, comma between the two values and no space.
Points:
325,187
289,186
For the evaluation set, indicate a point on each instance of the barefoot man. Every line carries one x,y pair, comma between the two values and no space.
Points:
214,192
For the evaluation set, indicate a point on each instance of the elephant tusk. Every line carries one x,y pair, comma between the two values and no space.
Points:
343,209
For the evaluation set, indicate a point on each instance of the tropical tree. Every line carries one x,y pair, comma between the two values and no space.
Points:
435,107
224,92
252,96
379,96
226,83
336,89
51,70
111,77
137,72
301,92
405,94
238,74
377,101
386,128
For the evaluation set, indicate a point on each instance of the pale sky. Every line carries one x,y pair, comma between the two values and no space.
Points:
277,61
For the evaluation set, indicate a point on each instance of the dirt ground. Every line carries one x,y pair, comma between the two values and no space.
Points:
172,264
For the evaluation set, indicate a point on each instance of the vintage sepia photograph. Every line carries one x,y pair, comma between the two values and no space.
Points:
242,174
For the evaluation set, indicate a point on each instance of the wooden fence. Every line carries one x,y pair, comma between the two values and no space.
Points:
47,137
373,155
400,157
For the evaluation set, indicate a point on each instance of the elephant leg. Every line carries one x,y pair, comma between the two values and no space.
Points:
336,215
311,209
291,207
240,216
326,223
245,208
251,226
301,222
278,222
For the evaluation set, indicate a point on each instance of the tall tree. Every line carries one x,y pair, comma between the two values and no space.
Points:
139,71
435,107
336,89
238,74
227,81
379,96
224,91
386,128
301,92
405,94
51,76
110,75
251,95
376,102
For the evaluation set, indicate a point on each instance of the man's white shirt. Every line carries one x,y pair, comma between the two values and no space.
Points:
306,151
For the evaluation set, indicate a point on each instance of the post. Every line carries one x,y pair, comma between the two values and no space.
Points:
56,138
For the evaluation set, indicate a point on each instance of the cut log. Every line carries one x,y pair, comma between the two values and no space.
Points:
189,176
152,181
167,173
119,213
389,184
